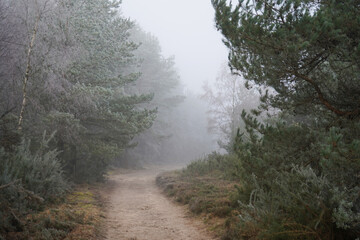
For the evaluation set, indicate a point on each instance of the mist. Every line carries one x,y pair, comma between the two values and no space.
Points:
185,29
112,109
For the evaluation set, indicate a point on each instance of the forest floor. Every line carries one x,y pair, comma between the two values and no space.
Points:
137,210
79,215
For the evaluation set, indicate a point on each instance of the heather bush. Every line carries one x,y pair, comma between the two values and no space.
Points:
295,181
301,173
227,166
301,182
28,179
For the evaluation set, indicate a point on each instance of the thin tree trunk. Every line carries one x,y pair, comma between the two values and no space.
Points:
27,72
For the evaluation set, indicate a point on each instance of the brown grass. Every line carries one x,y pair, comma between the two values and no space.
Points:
77,216
207,196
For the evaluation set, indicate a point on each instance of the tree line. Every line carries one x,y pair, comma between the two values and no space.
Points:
78,81
296,155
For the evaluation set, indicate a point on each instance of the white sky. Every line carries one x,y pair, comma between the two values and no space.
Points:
186,29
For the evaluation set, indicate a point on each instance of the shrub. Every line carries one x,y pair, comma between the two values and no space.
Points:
228,166
27,180
295,181
294,206
301,182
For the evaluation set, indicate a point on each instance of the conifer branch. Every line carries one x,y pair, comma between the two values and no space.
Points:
323,100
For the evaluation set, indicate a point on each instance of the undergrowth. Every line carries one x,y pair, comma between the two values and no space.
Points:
208,191
291,182
77,217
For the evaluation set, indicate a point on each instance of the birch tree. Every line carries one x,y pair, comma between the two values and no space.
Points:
227,98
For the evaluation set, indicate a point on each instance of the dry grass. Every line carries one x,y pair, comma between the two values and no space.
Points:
208,196
77,216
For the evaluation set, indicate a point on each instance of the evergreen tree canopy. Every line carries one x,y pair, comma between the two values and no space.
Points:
308,51
78,59
158,76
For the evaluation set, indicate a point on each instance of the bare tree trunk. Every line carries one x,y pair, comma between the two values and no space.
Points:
27,72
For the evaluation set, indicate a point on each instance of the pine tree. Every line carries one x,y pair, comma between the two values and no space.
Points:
158,76
79,64
307,51
298,169
99,73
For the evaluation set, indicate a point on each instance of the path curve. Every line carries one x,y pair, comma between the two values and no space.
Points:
137,210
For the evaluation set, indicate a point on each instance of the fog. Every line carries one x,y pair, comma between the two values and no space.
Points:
71,74
119,91
185,29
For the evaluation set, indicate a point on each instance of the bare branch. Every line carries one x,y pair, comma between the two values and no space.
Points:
9,184
7,112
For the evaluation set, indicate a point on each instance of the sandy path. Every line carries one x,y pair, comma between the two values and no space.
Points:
137,210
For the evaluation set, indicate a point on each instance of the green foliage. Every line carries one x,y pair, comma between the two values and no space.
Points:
301,183
39,172
102,65
294,206
27,179
226,166
340,162
307,51
81,65
301,170
294,182
291,144
158,76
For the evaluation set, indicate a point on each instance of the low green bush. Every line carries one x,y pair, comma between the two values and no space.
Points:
28,179
301,182
294,182
226,166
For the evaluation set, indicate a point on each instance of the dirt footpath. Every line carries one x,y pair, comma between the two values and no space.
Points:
137,210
